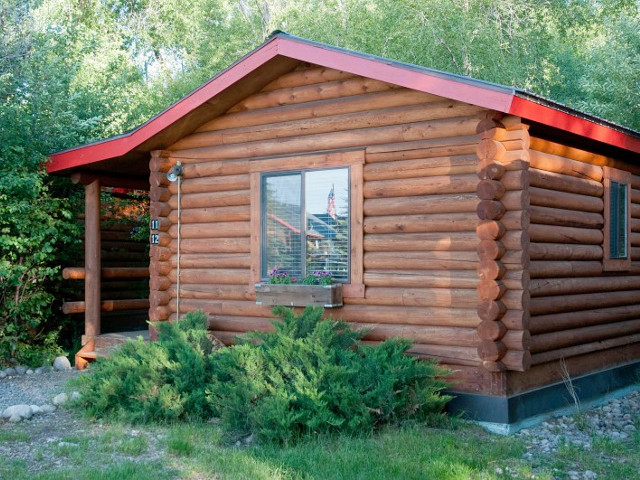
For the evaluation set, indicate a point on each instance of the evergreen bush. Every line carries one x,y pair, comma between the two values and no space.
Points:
311,376
308,376
155,381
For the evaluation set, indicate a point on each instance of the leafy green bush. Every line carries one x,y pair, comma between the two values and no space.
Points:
34,227
311,376
156,381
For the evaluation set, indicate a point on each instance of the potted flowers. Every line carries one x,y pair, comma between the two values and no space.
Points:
317,288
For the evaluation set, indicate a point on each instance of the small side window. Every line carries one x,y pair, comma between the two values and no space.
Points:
616,215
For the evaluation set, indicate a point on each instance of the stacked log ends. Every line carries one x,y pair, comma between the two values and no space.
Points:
159,255
497,137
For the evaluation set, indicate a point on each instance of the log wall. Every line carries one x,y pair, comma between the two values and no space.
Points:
580,315
419,239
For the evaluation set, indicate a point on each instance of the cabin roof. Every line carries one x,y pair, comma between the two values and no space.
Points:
126,155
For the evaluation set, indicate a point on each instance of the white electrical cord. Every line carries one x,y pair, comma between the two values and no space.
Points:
178,259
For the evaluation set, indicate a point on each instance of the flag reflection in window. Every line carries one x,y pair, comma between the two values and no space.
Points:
305,222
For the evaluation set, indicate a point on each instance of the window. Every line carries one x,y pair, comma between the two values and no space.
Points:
616,212
305,222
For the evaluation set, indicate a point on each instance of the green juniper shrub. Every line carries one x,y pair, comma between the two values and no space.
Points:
311,376
157,381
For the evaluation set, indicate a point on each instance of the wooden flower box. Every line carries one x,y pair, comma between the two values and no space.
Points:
294,295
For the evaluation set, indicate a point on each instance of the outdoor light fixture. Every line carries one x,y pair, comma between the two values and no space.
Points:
172,175
175,172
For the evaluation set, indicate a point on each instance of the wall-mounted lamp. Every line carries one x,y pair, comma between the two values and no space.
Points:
175,172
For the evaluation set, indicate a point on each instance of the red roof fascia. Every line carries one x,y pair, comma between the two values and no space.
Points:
397,75
552,117
125,143
501,100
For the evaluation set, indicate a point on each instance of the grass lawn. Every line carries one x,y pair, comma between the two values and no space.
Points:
195,451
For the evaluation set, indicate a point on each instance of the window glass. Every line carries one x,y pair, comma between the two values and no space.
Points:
618,220
312,205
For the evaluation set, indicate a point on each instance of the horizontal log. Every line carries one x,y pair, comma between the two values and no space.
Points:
420,261
554,163
446,222
563,251
159,283
564,183
159,194
217,307
219,245
446,354
490,250
158,253
213,260
308,76
210,184
445,184
567,286
489,269
215,168
490,229
401,242
437,147
422,279
553,269
556,234
517,340
238,325
490,190
567,338
212,291
568,303
569,320
107,305
211,214
635,195
583,349
336,140
491,310
491,330
422,167
565,218
634,225
452,203
211,230
571,201
434,316
212,275
309,93
516,320
131,246
417,297
77,273
158,210
580,155
490,210
433,335
212,199
443,109
517,360
491,350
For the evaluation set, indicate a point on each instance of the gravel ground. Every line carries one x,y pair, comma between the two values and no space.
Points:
33,389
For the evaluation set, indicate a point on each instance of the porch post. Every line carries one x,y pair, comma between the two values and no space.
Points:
92,263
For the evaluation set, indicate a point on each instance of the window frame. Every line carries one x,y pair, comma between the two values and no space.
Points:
302,174
351,159
619,177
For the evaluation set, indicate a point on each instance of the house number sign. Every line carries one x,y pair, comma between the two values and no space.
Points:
155,225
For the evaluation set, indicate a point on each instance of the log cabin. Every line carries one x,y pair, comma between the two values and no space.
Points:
498,230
